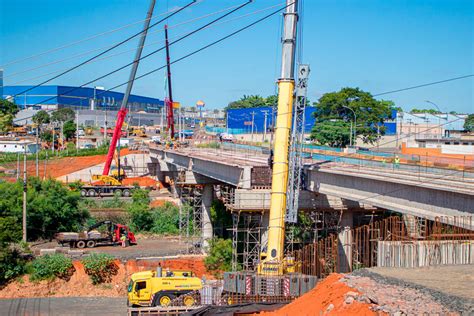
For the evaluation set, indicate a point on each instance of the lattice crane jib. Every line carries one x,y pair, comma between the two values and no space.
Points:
295,159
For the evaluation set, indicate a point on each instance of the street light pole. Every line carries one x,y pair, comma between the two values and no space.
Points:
355,126
439,118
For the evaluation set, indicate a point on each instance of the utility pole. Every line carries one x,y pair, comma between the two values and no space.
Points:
52,151
77,130
253,119
18,167
37,151
24,194
45,165
265,113
105,126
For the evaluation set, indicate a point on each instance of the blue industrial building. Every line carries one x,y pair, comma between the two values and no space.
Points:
240,120
54,97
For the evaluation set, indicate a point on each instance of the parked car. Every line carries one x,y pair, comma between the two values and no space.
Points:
226,137
156,139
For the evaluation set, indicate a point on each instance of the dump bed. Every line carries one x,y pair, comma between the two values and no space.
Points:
70,236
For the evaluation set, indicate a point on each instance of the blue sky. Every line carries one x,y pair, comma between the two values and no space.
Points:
377,45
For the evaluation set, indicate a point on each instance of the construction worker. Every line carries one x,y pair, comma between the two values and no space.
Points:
123,240
397,161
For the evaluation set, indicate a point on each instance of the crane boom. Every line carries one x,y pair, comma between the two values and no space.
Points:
122,113
169,101
272,260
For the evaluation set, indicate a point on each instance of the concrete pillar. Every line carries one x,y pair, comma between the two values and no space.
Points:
207,231
345,241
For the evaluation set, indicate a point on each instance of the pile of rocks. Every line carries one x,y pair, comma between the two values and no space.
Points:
392,299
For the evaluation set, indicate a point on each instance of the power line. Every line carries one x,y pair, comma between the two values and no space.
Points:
106,51
424,85
108,46
149,54
187,55
82,40
150,44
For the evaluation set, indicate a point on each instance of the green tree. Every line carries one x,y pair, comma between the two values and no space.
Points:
166,219
429,111
331,133
337,109
69,130
63,115
247,101
141,218
51,207
469,123
7,113
219,256
41,117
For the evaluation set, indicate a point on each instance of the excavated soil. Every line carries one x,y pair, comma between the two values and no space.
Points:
330,297
60,167
80,284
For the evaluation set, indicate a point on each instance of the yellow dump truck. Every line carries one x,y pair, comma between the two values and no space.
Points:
163,288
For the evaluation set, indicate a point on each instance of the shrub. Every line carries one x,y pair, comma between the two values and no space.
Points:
166,219
100,267
11,264
140,217
219,256
49,267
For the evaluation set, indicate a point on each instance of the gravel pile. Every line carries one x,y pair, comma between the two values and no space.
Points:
394,299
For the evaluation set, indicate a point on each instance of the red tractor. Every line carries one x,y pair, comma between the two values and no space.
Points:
93,237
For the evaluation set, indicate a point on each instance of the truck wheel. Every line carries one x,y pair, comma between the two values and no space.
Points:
188,300
126,193
91,192
90,244
83,192
80,244
118,192
165,299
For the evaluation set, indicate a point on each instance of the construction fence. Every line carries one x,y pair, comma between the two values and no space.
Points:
392,242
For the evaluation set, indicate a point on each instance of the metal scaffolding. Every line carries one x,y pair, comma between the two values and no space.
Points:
246,240
190,213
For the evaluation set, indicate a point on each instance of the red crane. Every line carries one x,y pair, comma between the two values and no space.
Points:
169,100
123,109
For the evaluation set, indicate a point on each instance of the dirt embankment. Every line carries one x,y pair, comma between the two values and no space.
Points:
56,168
80,284
329,297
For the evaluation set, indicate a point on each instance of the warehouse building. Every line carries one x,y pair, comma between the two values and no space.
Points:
54,97
243,121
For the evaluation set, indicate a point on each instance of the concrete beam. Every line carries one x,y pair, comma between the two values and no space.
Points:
259,199
404,197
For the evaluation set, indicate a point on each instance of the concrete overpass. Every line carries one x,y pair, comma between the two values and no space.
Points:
423,194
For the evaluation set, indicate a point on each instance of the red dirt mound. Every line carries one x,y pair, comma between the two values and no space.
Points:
56,168
81,285
327,298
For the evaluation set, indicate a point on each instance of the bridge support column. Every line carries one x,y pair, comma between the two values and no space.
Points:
345,241
207,231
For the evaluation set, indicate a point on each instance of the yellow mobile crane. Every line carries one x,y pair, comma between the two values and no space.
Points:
276,275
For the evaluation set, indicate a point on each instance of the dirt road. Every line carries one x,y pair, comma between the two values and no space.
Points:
73,306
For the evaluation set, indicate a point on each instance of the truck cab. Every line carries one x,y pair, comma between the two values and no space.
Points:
162,287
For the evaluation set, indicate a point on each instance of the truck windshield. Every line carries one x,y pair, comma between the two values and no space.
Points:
130,286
